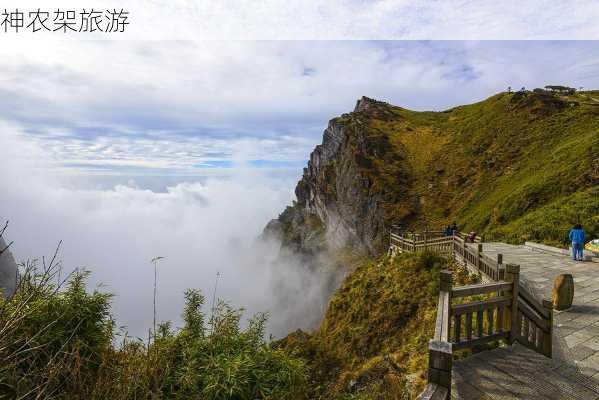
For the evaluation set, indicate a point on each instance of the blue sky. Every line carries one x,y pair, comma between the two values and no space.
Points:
196,108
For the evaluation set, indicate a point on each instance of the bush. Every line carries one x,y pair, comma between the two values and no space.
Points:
57,341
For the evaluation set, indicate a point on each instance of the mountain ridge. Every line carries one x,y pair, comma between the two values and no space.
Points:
485,165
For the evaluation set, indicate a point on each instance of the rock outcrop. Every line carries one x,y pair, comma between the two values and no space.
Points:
337,203
563,292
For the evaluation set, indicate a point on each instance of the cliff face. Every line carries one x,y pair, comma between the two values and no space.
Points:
338,203
488,166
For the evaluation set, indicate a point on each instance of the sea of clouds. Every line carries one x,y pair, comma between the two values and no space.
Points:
201,226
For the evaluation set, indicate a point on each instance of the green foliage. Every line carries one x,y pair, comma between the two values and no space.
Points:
192,314
230,363
551,223
47,333
57,342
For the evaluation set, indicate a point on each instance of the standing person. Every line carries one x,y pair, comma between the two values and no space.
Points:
577,239
454,228
471,237
448,231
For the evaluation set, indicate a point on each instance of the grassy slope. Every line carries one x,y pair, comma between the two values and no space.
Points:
493,164
373,340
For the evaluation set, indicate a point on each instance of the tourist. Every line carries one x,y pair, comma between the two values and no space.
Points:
471,237
448,231
454,228
577,239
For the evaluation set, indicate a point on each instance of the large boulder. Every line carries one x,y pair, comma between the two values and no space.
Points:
563,292
8,271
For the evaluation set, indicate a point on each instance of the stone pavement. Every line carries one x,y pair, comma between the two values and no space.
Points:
517,373
576,330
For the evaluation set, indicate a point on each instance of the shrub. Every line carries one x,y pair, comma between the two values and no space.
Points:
57,341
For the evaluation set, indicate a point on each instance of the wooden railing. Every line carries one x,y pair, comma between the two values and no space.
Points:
508,311
533,324
440,244
472,255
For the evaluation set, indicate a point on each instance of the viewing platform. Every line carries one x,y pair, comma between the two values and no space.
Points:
549,354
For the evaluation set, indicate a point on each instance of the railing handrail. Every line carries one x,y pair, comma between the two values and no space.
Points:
484,288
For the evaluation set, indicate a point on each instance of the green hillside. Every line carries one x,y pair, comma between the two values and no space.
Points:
517,166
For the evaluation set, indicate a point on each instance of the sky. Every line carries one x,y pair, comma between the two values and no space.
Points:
130,149
198,108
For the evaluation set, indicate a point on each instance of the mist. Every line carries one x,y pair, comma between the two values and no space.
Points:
202,226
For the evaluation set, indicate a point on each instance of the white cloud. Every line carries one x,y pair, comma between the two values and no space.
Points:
201,228
177,104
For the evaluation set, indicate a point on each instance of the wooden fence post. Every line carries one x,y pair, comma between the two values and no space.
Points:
512,274
440,355
445,279
453,244
547,338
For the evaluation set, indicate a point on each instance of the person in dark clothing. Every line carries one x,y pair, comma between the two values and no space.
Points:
448,231
577,238
454,228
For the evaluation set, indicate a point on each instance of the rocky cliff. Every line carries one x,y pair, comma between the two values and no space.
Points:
517,166
339,203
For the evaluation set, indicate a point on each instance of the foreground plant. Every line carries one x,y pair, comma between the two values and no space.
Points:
58,341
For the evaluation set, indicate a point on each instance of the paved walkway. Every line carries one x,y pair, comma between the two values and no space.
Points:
576,330
517,373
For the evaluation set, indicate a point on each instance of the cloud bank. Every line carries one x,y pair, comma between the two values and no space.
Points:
201,229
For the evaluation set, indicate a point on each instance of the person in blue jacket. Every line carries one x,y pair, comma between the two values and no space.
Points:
577,239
